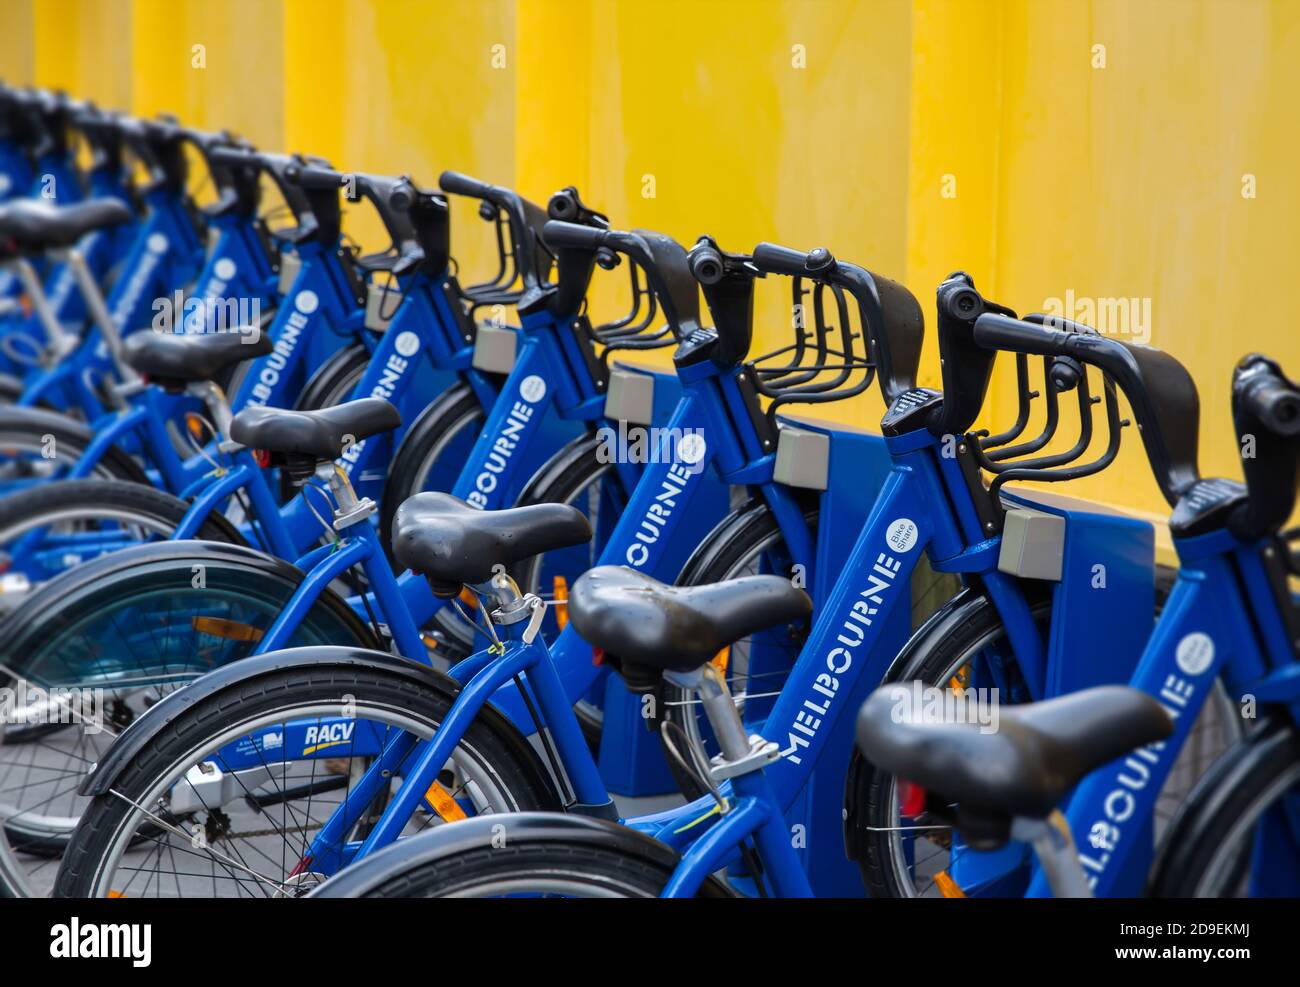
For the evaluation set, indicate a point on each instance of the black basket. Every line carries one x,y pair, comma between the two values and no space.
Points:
1007,458
830,361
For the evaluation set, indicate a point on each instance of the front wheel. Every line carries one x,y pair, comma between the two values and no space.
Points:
1238,833
45,530
229,799
558,866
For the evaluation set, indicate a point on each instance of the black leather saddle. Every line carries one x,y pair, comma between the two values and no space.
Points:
1037,752
175,359
35,225
451,544
640,620
319,435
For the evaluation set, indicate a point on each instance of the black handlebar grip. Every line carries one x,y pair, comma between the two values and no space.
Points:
706,264
572,235
458,184
313,177
1275,403
998,332
776,259
234,156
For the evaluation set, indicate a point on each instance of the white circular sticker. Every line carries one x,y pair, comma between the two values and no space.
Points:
306,302
407,343
224,269
691,448
1195,652
532,389
157,243
901,535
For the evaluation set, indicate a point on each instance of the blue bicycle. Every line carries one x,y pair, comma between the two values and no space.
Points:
451,545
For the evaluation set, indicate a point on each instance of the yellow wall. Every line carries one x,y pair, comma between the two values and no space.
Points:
809,122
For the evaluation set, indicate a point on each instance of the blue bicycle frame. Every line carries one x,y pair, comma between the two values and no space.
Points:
1219,621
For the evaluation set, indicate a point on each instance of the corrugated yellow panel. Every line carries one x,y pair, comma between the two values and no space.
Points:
17,61
400,86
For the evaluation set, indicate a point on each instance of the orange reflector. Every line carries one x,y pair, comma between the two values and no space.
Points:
430,641
443,804
947,886
231,630
196,425
468,598
721,658
115,894
961,680
560,600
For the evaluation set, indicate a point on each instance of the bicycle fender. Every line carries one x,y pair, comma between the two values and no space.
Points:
472,834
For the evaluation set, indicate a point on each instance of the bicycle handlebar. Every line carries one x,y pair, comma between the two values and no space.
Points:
1159,389
890,315
525,219
662,258
1266,412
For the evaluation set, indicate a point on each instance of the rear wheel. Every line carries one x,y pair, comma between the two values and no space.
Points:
227,801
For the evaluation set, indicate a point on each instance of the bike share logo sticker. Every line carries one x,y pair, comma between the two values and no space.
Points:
155,246
847,646
407,343
532,388
1194,653
901,535
691,448
272,366
224,269
306,302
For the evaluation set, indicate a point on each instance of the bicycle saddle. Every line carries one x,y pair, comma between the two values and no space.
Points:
451,544
1037,752
677,628
179,358
319,434
37,225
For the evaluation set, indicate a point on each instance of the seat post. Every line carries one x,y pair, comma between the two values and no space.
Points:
214,399
61,341
98,309
1054,845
